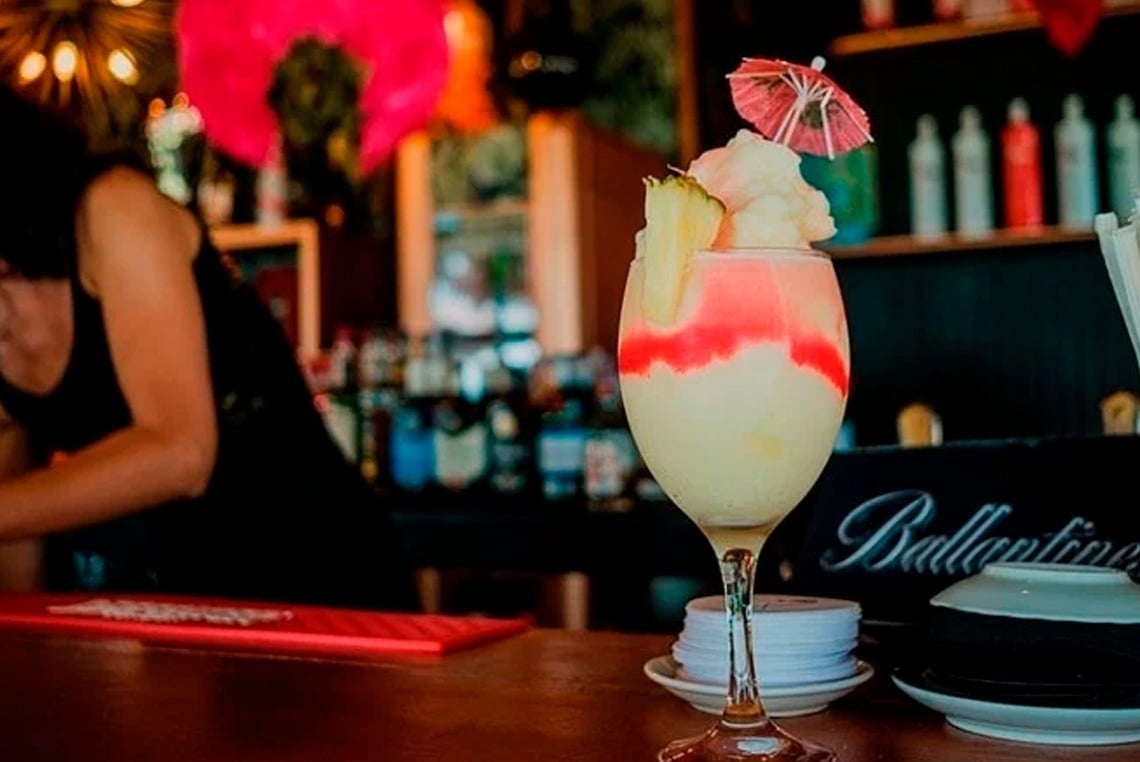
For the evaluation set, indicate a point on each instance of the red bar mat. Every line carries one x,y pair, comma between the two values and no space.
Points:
261,627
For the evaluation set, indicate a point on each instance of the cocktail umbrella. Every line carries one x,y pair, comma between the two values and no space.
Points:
798,106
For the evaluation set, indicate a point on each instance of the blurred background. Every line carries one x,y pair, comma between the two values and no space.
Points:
453,288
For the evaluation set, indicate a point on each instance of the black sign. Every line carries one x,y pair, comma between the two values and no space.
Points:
892,527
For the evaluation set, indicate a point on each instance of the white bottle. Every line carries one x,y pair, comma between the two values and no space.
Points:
973,178
927,181
273,187
1077,202
1123,158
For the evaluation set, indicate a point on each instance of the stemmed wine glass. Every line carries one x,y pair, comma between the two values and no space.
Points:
735,407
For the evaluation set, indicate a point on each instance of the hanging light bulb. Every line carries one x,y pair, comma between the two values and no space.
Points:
32,66
126,3
65,60
121,64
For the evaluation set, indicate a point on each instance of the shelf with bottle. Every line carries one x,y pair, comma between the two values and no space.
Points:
1022,175
896,38
449,417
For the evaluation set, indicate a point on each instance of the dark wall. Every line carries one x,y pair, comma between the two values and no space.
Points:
1021,342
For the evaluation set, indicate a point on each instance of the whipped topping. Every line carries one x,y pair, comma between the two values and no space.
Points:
768,203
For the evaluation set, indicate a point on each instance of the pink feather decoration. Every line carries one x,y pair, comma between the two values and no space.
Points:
228,52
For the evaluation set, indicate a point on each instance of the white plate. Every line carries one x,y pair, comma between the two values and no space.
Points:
1031,724
1056,592
779,701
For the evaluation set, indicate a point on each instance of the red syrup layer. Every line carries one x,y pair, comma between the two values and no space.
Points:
741,306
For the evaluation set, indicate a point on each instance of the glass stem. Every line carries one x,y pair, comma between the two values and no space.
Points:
743,707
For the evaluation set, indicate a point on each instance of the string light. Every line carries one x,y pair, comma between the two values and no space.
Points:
122,66
65,60
83,52
32,67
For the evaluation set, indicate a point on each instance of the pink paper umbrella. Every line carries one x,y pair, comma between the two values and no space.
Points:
228,52
798,106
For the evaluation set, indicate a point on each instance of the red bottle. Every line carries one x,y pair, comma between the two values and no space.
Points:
1021,169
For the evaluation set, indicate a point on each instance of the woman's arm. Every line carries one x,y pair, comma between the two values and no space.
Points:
20,561
136,254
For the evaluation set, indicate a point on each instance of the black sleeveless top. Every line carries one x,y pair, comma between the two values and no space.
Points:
284,518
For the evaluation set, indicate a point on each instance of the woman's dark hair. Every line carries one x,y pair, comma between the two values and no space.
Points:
45,167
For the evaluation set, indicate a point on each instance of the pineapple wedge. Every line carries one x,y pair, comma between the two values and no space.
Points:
681,217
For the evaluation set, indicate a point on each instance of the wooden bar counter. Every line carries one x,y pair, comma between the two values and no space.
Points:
544,695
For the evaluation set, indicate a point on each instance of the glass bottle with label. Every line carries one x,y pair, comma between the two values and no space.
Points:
380,383
511,444
561,441
412,444
610,455
460,437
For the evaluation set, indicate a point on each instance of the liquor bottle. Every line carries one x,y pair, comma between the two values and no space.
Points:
561,441
412,444
610,454
510,467
1124,158
380,392
459,435
927,181
1077,201
973,180
1021,169
273,187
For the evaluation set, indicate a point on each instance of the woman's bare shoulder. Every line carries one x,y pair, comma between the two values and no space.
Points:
121,211
119,189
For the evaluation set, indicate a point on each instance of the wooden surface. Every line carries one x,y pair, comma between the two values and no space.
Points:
542,696
928,34
902,245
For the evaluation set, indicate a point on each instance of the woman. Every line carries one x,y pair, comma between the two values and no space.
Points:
194,460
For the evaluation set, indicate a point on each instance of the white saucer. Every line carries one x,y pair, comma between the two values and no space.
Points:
779,701
1031,724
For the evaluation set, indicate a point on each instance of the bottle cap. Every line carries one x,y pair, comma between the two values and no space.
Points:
927,127
1124,107
970,118
1073,107
1018,111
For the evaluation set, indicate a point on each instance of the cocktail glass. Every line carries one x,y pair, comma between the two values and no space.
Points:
735,407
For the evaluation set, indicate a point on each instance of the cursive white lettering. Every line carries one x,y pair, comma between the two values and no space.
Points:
1102,549
917,555
996,514
885,534
916,512
1122,557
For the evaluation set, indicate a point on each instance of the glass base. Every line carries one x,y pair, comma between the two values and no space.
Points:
764,742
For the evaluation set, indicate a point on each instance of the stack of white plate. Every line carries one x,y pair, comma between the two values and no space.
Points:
797,641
